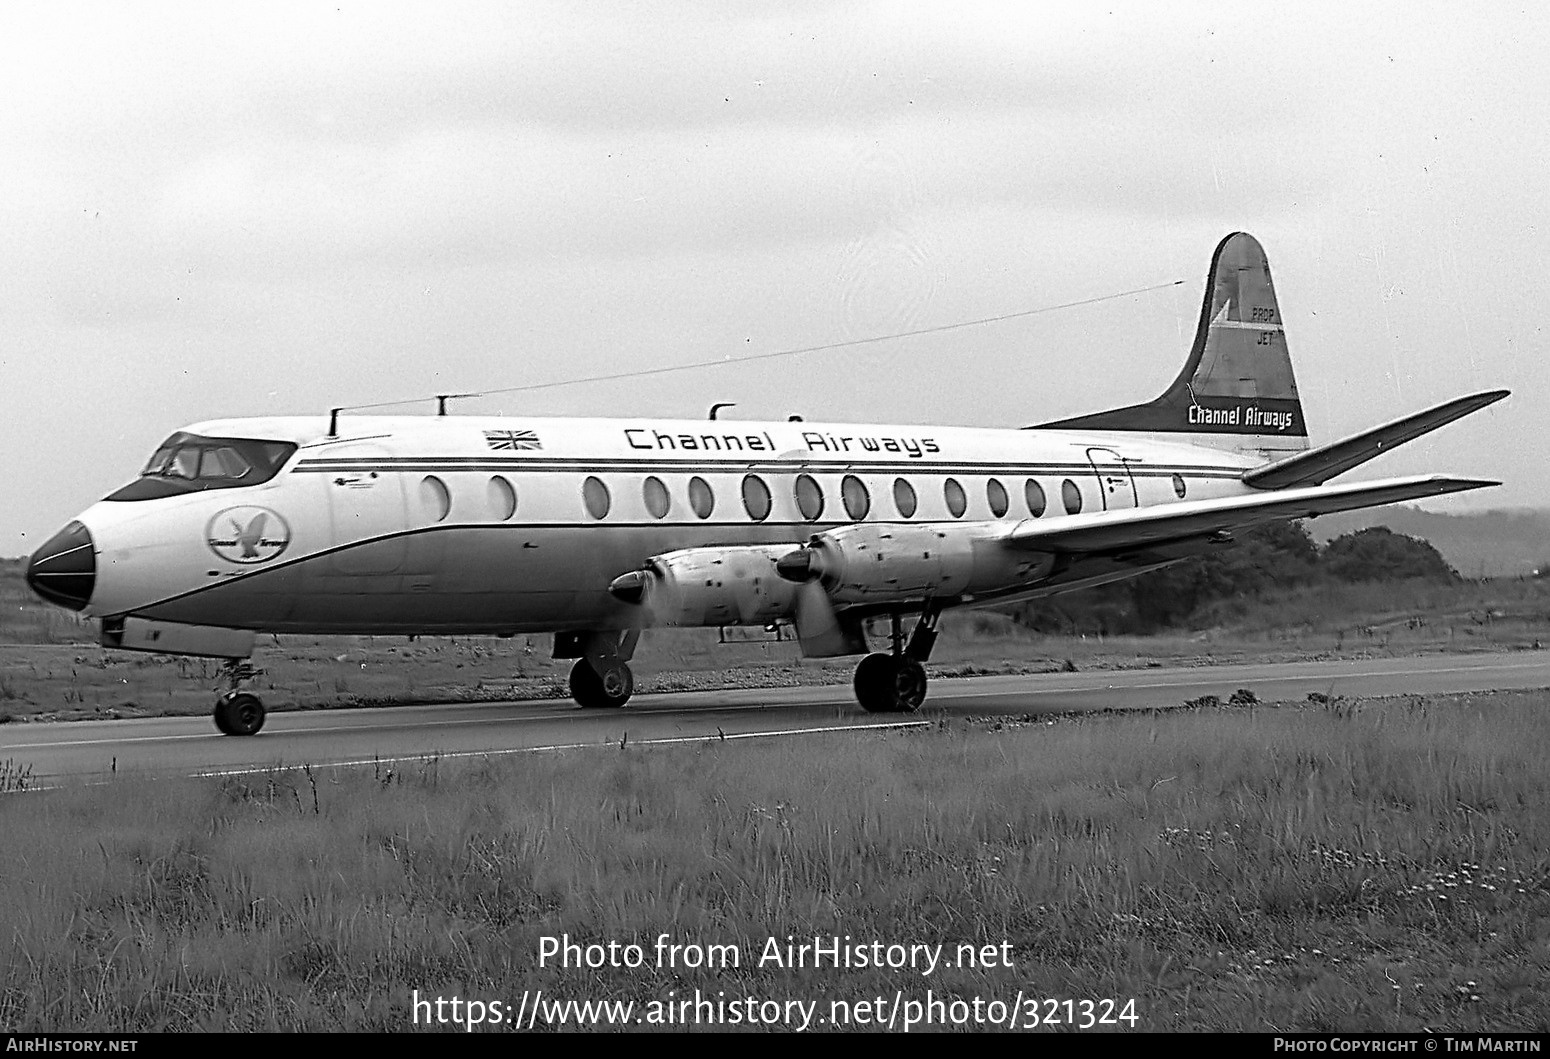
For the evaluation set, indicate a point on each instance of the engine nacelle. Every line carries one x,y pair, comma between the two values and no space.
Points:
712,586
885,563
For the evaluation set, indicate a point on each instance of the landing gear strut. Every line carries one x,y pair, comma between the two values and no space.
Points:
238,712
601,676
896,683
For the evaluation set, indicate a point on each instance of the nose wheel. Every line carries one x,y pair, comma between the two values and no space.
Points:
239,713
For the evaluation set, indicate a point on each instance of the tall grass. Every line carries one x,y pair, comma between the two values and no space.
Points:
1268,868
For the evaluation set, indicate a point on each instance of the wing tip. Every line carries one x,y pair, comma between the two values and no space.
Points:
1457,485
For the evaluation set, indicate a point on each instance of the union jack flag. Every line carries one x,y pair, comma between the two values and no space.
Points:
511,440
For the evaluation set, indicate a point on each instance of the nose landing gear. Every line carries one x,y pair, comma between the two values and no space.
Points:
239,712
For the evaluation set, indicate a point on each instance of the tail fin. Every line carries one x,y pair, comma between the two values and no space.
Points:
1236,391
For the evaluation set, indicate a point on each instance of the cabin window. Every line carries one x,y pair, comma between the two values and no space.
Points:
1071,496
701,500
435,498
904,498
809,497
756,498
595,495
857,500
957,499
1033,495
501,496
655,494
995,493
1179,488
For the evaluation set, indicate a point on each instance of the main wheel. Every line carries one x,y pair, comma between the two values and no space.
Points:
890,684
612,688
239,713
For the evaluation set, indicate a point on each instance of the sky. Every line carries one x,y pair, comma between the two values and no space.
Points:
264,209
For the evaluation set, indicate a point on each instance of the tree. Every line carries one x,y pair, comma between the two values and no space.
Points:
1264,558
1379,554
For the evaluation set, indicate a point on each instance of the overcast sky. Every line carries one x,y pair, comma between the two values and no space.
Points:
221,210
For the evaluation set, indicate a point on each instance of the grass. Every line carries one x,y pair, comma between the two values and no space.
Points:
1372,865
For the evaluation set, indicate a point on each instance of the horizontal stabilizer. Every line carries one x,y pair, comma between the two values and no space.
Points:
1117,531
1325,462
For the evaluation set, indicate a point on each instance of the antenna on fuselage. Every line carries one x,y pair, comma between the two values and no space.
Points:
333,422
719,405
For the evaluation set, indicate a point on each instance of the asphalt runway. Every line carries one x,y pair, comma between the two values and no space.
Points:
87,750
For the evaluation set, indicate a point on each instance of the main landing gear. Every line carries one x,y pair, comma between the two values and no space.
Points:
601,676
238,712
590,688
896,683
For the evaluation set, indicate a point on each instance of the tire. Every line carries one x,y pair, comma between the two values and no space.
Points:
239,713
890,684
608,690
874,676
909,685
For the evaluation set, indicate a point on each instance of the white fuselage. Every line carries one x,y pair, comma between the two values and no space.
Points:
502,525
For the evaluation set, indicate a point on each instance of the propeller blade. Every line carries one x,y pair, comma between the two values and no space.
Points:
820,629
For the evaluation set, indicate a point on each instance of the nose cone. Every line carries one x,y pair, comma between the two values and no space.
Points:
630,587
64,570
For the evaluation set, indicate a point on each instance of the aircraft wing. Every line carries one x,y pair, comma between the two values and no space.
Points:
1142,527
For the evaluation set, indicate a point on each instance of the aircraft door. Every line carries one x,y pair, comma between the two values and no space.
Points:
366,506
1116,484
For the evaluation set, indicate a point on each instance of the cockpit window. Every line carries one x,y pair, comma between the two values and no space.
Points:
187,463
223,462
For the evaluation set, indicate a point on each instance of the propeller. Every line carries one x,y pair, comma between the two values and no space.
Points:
818,626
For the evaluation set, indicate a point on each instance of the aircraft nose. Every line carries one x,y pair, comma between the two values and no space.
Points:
64,570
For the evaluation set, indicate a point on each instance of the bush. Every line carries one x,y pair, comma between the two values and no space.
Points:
1380,554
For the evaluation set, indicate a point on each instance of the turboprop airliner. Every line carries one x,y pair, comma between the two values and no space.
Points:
595,529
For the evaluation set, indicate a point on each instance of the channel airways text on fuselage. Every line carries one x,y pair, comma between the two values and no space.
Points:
652,439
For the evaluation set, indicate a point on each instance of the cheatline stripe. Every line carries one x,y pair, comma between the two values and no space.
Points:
474,463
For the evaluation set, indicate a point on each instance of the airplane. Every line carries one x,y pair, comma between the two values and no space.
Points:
593,530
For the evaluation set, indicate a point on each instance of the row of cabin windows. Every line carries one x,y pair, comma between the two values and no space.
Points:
854,497
501,497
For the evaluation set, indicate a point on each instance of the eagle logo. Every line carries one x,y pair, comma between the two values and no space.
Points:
247,535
